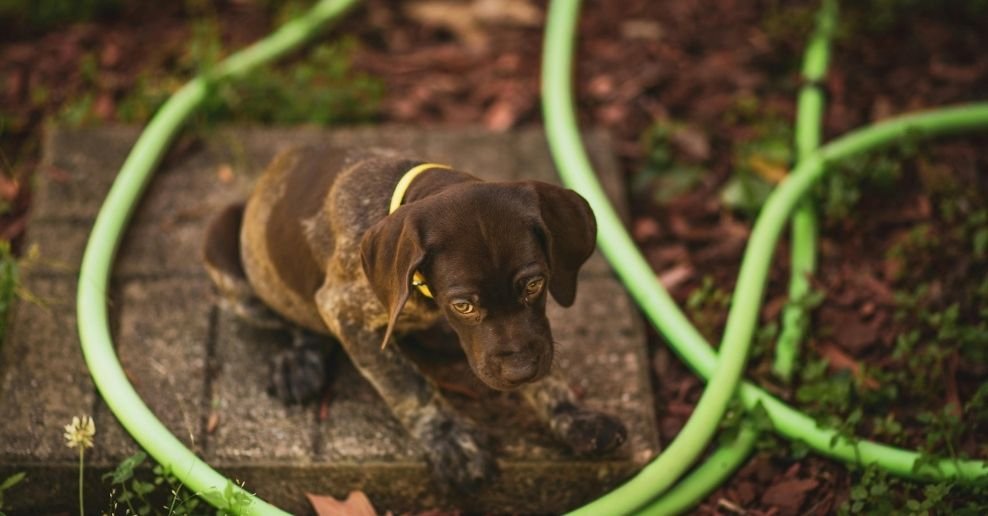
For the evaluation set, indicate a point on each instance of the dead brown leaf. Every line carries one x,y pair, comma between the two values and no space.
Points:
953,400
672,278
881,290
457,17
773,307
105,107
789,495
225,173
841,361
111,54
324,405
730,506
212,422
14,228
511,13
469,21
768,170
849,330
641,29
692,142
646,228
356,504
744,492
501,116
9,188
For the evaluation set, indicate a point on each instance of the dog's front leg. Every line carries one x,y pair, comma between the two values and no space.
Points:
451,443
585,431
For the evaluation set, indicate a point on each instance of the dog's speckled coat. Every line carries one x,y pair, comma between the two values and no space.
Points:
318,248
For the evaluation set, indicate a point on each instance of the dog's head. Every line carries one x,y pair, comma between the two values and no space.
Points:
489,252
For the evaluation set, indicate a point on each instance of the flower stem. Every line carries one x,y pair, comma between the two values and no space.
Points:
82,507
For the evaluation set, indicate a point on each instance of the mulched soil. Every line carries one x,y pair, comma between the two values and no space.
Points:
689,63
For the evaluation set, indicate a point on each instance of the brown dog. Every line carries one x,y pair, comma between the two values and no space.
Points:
316,251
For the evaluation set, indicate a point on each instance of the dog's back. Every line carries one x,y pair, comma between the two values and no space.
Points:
292,226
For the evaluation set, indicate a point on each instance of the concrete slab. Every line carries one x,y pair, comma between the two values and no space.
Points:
45,382
249,424
162,332
204,374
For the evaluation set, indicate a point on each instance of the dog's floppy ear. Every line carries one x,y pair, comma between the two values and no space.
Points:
391,252
571,233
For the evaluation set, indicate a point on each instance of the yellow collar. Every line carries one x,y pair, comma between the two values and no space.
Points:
418,281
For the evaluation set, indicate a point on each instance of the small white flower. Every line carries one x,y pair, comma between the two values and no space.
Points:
80,432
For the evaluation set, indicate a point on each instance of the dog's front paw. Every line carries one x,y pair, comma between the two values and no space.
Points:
455,452
587,432
299,374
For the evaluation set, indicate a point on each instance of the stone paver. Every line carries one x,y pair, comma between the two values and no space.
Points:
45,381
204,373
252,425
161,327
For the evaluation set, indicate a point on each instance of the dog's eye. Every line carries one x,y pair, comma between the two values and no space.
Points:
463,307
534,286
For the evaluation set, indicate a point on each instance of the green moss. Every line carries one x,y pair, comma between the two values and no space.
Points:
760,161
665,175
882,16
877,492
318,87
41,15
8,284
788,22
839,192
321,89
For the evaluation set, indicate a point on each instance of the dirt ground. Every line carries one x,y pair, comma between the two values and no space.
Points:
694,92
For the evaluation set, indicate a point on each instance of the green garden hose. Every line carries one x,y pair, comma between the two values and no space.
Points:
809,128
723,372
94,332
723,375
795,319
706,477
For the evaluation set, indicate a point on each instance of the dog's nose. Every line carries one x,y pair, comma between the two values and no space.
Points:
518,367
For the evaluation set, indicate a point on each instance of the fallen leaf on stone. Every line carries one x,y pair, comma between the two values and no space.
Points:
225,173
212,422
324,404
356,504
501,116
